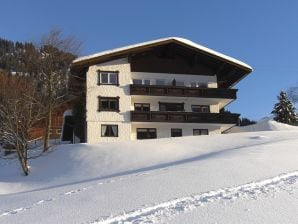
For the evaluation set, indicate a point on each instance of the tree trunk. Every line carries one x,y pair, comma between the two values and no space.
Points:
48,128
22,156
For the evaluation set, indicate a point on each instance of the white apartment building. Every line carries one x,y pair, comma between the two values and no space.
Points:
163,88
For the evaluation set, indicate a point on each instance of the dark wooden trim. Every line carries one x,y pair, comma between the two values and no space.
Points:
170,103
184,117
130,51
182,91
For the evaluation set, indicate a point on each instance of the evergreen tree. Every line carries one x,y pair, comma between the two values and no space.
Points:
284,110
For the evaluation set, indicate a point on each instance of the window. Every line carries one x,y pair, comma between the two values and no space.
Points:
171,106
142,107
200,132
141,81
193,84
137,81
108,78
146,133
179,83
200,108
160,82
176,132
109,130
108,104
203,85
146,81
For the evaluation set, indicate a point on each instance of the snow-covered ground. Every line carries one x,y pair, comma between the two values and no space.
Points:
234,178
266,124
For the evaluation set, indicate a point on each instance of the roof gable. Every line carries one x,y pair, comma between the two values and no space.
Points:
148,44
194,58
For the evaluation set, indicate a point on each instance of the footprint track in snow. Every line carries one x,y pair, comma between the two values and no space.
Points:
154,214
72,192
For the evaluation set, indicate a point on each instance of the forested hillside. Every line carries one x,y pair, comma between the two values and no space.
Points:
18,57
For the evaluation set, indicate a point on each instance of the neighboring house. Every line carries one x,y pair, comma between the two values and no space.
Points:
62,123
163,88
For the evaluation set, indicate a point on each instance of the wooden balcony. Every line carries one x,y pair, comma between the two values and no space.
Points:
184,117
182,91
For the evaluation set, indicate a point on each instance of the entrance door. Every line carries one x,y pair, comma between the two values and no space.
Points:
67,134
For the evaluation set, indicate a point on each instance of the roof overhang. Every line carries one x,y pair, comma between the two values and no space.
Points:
86,61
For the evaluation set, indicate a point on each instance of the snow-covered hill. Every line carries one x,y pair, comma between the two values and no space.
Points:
234,178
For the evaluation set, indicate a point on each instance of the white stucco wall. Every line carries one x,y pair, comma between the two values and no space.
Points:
211,81
94,117
126,129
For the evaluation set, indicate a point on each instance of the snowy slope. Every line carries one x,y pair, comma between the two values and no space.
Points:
234,178
266,124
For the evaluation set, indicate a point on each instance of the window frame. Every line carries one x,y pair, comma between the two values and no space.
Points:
180,129
166,104
99,73
180,83
195,84
200,130
137,80
164,82
195,105
203,85
144,82
142,107
109,125
147,131
108,98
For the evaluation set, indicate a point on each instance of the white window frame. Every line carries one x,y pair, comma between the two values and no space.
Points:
109,73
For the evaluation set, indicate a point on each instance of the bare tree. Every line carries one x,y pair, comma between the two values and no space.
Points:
57,53
293,93
20,109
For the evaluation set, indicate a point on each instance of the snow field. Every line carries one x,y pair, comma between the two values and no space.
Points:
177,180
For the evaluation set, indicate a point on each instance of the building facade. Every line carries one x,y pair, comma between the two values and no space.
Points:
164,88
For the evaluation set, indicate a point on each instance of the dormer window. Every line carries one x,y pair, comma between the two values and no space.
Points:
108,78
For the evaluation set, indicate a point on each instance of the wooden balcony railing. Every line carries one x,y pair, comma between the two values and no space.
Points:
184,117
182,91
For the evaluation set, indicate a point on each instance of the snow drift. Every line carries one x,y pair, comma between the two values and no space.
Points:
266,124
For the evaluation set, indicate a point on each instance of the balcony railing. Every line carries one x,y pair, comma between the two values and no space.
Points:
182,91
184,117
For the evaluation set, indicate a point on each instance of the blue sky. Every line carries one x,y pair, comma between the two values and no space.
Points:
263,34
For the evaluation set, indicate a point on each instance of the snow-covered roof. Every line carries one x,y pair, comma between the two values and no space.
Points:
177,39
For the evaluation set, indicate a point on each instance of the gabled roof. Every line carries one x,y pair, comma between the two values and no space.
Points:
124,50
